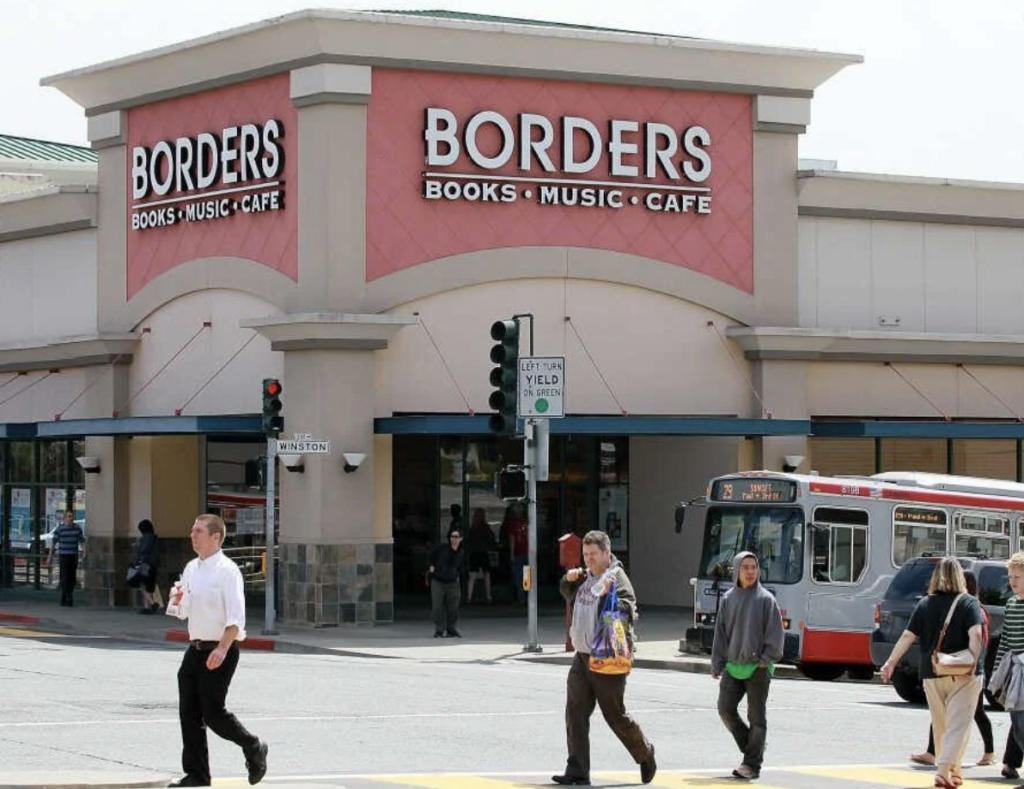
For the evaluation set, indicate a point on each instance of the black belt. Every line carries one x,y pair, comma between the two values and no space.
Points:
203,646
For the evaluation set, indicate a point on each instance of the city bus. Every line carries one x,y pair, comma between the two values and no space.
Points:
828,547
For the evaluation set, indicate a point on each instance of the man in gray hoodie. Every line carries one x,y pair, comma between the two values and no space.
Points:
748,642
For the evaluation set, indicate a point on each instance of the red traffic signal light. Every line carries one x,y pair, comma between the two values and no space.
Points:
272,388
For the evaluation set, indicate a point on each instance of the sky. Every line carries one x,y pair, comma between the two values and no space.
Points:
939,93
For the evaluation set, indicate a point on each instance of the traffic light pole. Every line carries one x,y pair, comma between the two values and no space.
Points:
532,458
270,615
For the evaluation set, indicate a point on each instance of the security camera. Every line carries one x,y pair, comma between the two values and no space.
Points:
293,462
89,464
353,460
792,462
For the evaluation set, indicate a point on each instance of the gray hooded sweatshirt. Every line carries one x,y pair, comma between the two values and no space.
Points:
749,624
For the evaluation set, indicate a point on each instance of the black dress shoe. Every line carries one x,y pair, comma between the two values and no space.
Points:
454,634
188,780
438,634
648,767
256,763
571,780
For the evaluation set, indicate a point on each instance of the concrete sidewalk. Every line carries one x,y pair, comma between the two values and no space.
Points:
488,635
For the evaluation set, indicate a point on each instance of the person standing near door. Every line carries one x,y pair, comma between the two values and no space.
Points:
68,539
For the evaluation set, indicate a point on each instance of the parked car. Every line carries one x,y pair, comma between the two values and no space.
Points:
910,584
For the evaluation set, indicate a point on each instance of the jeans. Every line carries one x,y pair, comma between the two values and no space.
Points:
750,738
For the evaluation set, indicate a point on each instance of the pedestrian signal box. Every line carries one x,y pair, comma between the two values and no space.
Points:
510,484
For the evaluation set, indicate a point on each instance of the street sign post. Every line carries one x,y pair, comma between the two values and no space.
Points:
303,447
541,387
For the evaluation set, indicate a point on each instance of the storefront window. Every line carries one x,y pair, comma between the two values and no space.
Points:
991,458
413,511
21,469
834,456
613,491
53,461
914,454
236,490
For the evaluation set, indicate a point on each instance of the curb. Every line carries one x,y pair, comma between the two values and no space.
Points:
682,664
20,619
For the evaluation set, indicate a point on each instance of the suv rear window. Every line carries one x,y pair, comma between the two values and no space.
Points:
994,585
911,581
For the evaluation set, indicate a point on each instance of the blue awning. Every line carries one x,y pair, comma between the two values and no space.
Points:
150,426
855,428
447,424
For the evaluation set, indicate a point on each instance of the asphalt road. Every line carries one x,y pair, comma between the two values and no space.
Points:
95,703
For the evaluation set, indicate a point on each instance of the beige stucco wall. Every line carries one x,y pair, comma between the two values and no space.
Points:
662,473
48,287
872,389
914,276
657,353
236,390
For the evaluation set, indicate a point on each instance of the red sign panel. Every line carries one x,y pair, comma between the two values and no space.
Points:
213,175
459,163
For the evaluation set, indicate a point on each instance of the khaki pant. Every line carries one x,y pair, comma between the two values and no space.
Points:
952,701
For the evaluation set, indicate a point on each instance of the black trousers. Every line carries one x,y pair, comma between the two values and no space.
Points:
750,738
584,689
444,601
202,693
68,577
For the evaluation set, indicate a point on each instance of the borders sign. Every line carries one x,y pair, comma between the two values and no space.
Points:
541,387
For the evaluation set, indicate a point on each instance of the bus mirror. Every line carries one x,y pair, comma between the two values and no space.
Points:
680,517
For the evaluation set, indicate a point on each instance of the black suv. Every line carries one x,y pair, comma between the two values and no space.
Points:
908,586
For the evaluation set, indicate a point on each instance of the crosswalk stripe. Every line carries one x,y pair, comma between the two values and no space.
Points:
887,776
448,781
674,780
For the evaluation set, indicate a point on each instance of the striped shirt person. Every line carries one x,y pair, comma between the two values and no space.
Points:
66,541
1012,638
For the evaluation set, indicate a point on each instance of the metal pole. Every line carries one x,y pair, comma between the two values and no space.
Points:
532,644
270,615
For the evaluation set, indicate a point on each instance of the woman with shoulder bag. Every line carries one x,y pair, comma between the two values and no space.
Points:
948,622
146,561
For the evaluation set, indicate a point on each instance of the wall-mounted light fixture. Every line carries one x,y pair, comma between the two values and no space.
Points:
293,462
792,463
353,460
89,464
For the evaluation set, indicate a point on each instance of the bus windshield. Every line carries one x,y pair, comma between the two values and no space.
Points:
774,534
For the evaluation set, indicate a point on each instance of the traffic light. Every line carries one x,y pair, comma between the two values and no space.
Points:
273,422
504,377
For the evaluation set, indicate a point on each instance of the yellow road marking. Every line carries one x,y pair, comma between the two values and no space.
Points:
449,781
888,776
17,631
675,780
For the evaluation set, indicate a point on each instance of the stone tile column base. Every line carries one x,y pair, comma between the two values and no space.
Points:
106,567
329,585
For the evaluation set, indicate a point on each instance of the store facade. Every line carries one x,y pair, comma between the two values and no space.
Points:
347,201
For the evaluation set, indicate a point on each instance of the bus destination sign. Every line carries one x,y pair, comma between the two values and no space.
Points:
754,490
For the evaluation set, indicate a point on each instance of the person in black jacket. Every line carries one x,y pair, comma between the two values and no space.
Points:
147,558
445,589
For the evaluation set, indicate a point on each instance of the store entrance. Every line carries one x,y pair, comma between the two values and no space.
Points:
444,480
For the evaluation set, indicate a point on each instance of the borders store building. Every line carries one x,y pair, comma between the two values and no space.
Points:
346,201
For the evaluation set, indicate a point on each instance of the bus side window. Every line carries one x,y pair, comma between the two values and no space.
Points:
840,547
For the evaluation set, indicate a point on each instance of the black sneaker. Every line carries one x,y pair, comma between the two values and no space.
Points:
746,773
256,763
648,767
454,634
438,634
571,780
1010,772
188,780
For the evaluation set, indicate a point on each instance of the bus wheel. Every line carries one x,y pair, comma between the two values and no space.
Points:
861,673
908,687
822,672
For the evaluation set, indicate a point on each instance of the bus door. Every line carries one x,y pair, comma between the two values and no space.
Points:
842,595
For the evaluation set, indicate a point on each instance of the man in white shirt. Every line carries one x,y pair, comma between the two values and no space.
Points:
210,596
